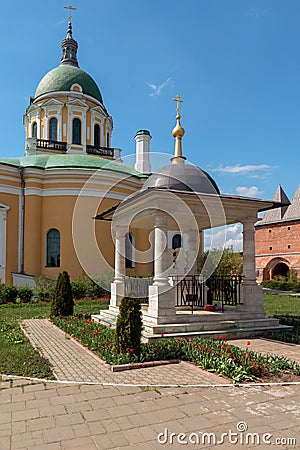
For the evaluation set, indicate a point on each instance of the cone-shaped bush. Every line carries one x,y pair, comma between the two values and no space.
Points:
62,303
129,327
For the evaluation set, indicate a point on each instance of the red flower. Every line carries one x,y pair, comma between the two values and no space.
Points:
86,320
218,337
222,346
191,339
225,340
84,313
91,322
248,343
169,332
91,334
99,320
113,351
224,337
110,325
75,318
96,332
228,349
104,326
229,355
247,355
161,343
84,331
169,342
131,350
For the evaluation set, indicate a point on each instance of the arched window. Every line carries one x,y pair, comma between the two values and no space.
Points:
34,130
53,248
76,138
129,251
107,140
53,129
176,241
97,136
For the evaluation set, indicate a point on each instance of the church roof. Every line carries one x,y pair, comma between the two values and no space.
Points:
289,210
293,210
71,161
277,214
182,177
61,78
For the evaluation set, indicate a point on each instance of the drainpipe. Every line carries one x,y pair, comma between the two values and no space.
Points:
21,229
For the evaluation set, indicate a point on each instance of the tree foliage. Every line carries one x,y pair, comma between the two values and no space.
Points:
226,261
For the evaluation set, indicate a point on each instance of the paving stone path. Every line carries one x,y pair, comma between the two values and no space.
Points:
49,416
57,416
73,362
267,346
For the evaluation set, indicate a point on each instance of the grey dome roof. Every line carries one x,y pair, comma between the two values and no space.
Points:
182,177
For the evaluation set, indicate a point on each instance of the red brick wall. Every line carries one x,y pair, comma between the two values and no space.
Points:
276,243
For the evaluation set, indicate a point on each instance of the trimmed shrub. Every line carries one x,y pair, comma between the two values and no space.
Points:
62,303
10,293
129,327
25,294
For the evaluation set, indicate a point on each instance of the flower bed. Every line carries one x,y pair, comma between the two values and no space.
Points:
214,355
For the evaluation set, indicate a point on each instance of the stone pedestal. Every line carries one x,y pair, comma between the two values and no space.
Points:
161,307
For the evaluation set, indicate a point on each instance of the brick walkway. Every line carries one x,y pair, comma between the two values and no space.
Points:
57,416
49,416
73,362
266,346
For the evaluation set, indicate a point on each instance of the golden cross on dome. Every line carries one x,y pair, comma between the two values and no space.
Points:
178,100
70,8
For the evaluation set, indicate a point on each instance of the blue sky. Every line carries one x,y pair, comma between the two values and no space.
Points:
235,63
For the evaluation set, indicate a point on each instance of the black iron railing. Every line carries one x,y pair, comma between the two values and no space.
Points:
48,144
192,291
189,291
224,290
101,151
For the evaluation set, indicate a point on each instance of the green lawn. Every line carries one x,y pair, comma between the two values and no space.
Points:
17,356
281,305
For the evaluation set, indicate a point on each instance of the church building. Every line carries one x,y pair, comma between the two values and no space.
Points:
68,156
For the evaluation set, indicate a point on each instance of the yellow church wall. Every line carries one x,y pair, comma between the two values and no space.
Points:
32,233
12,233
142,243
57,212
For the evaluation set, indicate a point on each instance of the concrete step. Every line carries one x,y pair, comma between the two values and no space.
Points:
238,333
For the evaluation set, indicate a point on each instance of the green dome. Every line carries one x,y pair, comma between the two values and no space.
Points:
61,78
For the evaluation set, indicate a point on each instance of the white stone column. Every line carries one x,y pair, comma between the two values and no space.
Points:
118,286
249,250
161,295
251,291
160,251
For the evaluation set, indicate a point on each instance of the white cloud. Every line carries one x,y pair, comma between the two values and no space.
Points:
252,191
224,237
156,89
238,169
